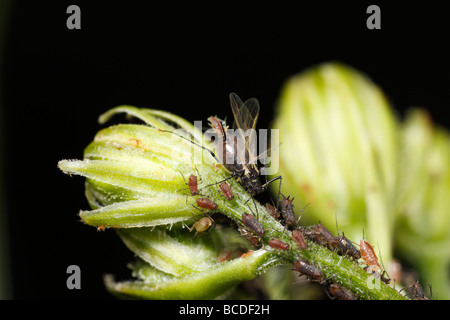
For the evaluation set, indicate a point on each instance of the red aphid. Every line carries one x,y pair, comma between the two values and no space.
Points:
218,128
226,190
205,203
299,239
278,244
193,186
369,256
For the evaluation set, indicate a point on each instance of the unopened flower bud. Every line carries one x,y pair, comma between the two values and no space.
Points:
338,152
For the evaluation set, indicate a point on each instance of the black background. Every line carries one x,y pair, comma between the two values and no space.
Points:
184,59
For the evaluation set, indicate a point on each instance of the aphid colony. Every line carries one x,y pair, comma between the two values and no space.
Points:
235,154
252,229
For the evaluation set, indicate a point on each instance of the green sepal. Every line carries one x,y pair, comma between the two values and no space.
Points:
208,284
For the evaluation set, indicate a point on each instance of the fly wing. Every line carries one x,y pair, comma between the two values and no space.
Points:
245,114
245,118
268,151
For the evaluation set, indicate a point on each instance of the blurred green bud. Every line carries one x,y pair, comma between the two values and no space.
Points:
339,152
423,219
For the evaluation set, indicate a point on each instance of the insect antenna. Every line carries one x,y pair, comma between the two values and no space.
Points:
184,182
431,291
216,183
254,204
335,218
266,185
301,213
384,268
198,145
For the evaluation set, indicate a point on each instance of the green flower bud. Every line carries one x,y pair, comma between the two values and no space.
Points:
423,204
134,172
137,183
192,269
338,152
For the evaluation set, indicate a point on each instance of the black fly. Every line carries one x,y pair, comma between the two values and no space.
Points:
237,151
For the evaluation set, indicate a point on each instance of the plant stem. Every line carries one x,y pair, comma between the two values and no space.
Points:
336,268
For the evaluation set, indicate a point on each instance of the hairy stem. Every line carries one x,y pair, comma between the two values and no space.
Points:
336,268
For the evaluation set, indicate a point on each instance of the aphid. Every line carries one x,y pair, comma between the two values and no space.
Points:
205,203
322,236
416,291
226,190
287,211
299,239
369,256
347,248
278,244
225,255
251,223
192,183
201,225
193,186
217,126
303,267
101,228
272,211
341,293
250,236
